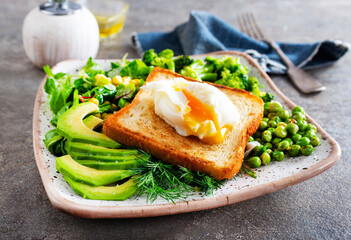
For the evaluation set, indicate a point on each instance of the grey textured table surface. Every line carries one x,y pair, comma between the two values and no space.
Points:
319,208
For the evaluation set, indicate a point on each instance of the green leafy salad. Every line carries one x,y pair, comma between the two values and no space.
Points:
97,167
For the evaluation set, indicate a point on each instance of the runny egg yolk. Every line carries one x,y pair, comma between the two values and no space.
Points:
198,113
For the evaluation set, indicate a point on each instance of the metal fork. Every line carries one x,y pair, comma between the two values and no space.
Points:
302,80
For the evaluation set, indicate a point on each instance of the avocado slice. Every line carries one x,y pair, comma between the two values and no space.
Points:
79,173
97,150
117,193
71,126
108,165
88,156
92,122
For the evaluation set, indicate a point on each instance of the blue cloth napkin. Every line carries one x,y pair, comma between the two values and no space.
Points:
205,33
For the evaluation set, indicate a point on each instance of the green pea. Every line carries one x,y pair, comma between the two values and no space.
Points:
303,141
291,120
278,156
310,134
269,151
292,128
302,124
284,114
307,150
276,119
280,132
258,150
266,136
298,109
315,141
251,139
254,162
271,130
259,140
265,158
283,145
268,145
289,141
263,125
265,119
275,106
298,116
296,137
282,124
311,127
272,124
276,141
294,150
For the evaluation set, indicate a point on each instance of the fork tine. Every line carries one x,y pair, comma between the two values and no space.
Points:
256,28
241,24
245,25
249,26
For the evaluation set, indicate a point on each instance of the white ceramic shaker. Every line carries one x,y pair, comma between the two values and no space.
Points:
59,30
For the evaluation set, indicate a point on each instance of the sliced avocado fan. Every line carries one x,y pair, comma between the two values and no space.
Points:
71,126
116,193
79,173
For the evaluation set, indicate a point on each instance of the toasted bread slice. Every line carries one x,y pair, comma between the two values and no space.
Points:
137,125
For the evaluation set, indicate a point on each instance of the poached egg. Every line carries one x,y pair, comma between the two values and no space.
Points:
194,108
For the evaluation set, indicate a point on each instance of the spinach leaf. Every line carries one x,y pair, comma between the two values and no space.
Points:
135,69
114,72
75,97
87,81
60,96
106,107
59,87
53,80
125,92
122,103
116,67
48,71
60,112
59,75
83,84
91,68
50,85
105,93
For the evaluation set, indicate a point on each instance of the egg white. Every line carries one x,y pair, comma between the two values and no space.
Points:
171,105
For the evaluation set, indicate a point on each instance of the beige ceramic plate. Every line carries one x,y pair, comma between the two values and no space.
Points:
275,176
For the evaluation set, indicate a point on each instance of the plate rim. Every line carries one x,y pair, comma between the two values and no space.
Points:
89,211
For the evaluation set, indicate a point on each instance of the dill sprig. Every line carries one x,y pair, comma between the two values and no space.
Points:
248,171
200,181
158,179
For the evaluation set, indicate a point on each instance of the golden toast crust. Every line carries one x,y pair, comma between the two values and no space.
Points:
175,150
